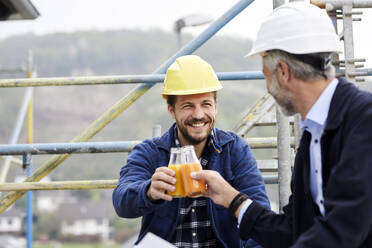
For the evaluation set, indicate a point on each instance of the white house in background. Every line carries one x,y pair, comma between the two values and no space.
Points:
84,219
11,221
50,200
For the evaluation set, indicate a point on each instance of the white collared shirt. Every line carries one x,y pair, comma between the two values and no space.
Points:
314,123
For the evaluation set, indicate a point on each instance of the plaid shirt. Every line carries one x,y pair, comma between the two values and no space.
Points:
194,228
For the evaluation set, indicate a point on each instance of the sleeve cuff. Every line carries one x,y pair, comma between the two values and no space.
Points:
249,217
147,201
246,204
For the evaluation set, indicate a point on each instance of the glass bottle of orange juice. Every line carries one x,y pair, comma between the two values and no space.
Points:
175,163
192,187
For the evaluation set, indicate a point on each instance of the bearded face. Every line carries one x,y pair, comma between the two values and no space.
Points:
281,96
195,117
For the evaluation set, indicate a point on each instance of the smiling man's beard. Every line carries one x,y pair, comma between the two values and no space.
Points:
281,97
192,140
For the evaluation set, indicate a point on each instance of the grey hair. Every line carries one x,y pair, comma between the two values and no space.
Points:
300,70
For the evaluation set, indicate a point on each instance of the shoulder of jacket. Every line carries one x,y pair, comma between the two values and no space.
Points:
148,145
361,102
227,137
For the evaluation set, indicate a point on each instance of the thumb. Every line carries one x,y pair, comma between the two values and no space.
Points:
196,175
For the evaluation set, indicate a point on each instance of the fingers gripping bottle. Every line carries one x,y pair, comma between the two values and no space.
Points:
175,163
192,187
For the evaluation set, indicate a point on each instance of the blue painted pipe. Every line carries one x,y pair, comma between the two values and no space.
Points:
198,41
123,79
241,75
29,210
62,148
212,29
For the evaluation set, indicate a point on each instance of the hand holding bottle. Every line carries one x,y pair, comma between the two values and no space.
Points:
161,181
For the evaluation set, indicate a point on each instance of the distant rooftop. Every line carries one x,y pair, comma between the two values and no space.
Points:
82,210
17,10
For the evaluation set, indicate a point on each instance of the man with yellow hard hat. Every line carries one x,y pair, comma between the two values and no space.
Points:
190,88
331,201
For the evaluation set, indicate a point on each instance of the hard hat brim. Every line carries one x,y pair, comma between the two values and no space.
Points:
191,91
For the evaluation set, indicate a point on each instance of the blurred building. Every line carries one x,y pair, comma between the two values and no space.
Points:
85,221
11,221
50,200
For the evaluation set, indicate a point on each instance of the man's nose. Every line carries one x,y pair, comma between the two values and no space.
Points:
198,113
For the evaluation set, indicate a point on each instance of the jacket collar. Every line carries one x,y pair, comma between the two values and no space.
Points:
340,103
168,139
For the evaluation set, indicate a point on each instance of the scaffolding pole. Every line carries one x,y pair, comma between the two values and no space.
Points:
331,5
126,101
123,79
284,152
261,108
68,148
83,185
134,79
284,158
348,42
106,147
29,140
29,172
16,132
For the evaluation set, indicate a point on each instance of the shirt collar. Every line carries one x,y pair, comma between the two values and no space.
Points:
319,111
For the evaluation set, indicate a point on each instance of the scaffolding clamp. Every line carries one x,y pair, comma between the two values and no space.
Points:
26,160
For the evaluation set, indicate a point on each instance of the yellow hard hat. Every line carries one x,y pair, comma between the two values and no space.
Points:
190,75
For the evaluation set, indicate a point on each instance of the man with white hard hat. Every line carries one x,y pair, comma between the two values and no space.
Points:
331,201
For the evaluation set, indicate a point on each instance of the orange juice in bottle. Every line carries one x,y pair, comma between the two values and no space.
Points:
175,164
192,187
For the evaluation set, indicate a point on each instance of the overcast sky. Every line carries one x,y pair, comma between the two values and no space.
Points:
72,15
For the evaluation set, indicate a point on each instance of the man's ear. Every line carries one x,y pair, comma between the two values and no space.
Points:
283,73
171,111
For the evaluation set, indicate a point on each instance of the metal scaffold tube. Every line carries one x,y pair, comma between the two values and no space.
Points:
16,132
348,43
30,137
124,79
261,108
64,148
284,159
125,102
284,152
266,142
337,4
62,185
105,147
30,125
85,184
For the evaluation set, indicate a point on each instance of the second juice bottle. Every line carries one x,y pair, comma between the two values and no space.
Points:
183,161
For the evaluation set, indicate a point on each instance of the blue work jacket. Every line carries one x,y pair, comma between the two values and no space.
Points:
231,158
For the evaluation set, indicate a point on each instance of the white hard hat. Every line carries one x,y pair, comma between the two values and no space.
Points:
297,28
